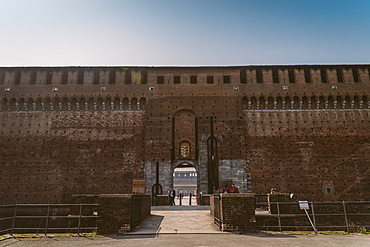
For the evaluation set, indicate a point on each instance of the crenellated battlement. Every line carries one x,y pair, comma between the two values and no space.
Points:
277,74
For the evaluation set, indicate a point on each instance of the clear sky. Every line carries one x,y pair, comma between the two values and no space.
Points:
183,32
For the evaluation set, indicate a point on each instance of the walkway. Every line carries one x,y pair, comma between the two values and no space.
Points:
177,219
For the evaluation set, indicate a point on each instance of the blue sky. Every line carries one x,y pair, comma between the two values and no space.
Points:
188,32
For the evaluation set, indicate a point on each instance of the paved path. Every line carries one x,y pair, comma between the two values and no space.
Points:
178,219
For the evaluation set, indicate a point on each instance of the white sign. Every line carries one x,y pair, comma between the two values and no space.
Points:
303,205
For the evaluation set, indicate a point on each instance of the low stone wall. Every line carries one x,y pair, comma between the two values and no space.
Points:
237,212
116,211
146,206
85,198
204,199
163,200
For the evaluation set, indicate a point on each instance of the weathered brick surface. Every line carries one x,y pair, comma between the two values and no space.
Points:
305,160
115,213
237,212
65,156
116,210
93,130
163,200
205,199
146,206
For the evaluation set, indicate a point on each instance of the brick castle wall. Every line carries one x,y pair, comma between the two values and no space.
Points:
94,129
47,157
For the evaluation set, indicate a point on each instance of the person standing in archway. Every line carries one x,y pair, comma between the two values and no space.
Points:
172,197
234,189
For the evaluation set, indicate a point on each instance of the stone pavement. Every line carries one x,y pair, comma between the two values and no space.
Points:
178,219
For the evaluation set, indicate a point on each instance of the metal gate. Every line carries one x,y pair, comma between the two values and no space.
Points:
217,216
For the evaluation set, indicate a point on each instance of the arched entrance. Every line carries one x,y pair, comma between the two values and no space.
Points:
185,149
185,180
185,183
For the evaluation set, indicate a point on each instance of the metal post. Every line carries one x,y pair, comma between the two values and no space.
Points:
196,139
173,153
213,174
215,163
313,214
211,166
314,228
190,199
47,220
79,220
14,216
304,205
345,215
278,211
156,182
212,135
156,177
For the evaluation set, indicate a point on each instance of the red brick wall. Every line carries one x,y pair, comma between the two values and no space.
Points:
56,155
308,157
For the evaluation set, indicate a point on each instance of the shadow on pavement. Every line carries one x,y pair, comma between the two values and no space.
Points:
149,227
269,235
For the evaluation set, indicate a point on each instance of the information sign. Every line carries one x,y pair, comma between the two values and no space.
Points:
303,205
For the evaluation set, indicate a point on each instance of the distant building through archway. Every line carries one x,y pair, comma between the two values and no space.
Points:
185,180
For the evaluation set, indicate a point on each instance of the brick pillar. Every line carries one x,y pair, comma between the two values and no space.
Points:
237,212
115,213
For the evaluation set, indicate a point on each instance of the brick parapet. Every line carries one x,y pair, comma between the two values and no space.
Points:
237,212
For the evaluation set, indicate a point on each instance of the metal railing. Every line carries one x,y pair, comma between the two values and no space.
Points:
217,216
346,215
47,218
